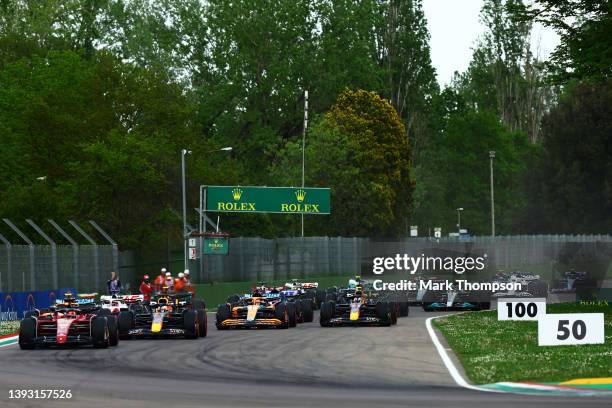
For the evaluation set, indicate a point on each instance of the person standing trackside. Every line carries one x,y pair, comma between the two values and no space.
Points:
188,285
158,284
113,285
146,288
168,282
179,283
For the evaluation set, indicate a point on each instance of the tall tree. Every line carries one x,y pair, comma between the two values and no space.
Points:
504,59
359,149
570,181
585,30
404,54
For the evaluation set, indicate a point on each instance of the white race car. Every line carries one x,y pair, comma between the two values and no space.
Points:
119,303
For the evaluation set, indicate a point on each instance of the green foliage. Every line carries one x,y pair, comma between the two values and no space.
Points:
456,171
585,30
105,136
98,97
366,163
570,180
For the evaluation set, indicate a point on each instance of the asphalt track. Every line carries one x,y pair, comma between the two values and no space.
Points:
307,366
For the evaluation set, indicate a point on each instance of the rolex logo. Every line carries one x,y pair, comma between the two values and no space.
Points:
300,195
237,193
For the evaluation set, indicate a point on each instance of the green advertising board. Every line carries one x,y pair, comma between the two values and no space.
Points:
216,245
285,200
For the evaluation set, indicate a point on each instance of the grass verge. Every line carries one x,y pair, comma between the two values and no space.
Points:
9,327
217,292
493,351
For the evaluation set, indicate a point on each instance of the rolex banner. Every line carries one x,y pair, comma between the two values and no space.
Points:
288,200
216,245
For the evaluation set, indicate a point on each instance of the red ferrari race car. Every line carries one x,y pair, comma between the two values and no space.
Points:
68,323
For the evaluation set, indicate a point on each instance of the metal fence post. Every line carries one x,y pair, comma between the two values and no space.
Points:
53,251
95,253
75,252
112,242
32,255
9,264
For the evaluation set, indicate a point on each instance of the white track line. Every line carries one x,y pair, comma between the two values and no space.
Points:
448,362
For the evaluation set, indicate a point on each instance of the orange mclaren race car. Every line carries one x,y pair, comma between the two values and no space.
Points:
254,310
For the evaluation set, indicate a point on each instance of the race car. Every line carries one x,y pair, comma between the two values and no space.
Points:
356,308
176,315
531,285
119,303
255,310
434,300
300,298
68,323
570,281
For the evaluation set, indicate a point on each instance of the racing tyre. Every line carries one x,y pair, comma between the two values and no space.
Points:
327,312
309,295
198,304
383,313
394,311
233,299
292,313
103,312
404,309
223,313
113,330
299,310
125,322
190,324
32,313
319,298
27,334
281,312
99,332
203,322
308,311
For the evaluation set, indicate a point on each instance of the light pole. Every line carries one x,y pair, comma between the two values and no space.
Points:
304,145
459,219
491,157
202,223
184,152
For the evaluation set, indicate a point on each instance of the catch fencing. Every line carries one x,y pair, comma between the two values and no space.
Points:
86,267
255,259
31,267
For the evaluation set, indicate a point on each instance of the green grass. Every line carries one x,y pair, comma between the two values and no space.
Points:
8,327
493,351
217,292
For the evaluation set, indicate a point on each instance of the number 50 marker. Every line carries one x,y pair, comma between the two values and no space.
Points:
571,328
